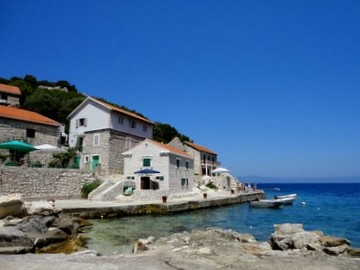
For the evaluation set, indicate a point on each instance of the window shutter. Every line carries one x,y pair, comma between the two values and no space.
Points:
85,122
77,123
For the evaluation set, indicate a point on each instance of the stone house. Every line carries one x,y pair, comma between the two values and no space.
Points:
9,95
174,168
103,132
32,127
205,160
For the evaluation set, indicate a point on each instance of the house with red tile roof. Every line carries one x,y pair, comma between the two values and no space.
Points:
103,132
159,169
33,127
205,160
24,125
9,95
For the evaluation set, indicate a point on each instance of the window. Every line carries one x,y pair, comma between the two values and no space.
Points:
86,159
184,182
30,133
81,122
128,143
96,139
146,162
177,163
132,123
187,164
4,97
145,128
121,120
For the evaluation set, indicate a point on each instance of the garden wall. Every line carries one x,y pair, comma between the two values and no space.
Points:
43,183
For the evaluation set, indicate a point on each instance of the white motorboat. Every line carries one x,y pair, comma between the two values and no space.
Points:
266,203
286,199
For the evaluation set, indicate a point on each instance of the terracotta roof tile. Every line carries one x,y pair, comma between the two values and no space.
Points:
200,148
171,148
26,116
10,89
114,108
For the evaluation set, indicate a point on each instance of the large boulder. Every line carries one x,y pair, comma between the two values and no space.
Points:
293,236
11,205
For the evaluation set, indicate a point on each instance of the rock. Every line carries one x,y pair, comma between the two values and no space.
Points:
330,241
293,236
11,205
336,250
33,232
13,237
53,235
355,252
33,225
205,251
288,228
42,208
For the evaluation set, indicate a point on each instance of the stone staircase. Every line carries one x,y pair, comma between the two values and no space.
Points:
109,190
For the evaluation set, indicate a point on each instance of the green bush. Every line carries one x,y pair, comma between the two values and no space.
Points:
87,188
211,185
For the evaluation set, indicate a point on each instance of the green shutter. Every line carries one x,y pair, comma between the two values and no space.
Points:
146,162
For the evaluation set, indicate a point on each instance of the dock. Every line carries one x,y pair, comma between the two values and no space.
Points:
109,209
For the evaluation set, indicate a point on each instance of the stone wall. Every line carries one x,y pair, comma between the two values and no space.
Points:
110,148
15,130
43,183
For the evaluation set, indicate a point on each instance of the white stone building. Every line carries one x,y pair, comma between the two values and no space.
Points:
103,132
175,168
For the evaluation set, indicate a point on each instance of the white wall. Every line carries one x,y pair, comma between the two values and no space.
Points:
161,160
125,127
97,117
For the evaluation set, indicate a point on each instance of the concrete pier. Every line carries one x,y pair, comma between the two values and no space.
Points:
108,209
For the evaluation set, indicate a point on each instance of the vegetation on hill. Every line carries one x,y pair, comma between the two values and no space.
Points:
57,100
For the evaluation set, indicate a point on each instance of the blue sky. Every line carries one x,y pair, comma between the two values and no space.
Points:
272,86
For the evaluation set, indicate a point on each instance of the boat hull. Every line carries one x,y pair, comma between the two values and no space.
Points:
266,204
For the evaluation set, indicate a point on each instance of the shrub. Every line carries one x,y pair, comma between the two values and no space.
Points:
87,188
211,185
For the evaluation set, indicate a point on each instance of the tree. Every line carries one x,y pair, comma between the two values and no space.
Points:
165,133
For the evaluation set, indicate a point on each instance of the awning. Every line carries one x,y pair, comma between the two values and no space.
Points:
146,171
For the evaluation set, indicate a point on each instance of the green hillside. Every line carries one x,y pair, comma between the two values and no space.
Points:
57,100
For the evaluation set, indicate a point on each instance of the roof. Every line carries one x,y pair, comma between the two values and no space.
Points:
200,148
113,108
170,148
10,89
26,116
117,109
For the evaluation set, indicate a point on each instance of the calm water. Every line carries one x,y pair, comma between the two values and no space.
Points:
331,208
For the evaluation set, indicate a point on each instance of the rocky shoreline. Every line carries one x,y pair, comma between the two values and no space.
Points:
210,249
41,228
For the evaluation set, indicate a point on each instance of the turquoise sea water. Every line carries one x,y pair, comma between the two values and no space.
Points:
331,208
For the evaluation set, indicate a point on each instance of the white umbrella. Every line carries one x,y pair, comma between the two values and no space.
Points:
220,170
50,148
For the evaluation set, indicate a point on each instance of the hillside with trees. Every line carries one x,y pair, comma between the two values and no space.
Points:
57,100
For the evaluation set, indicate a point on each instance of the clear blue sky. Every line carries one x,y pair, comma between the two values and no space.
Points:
272,86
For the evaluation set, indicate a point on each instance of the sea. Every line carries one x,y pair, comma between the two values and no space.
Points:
333,208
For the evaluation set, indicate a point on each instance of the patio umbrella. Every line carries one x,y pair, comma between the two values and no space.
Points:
146,171
49,148
18,146
220,170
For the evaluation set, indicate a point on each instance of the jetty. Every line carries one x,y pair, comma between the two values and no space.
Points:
110,209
